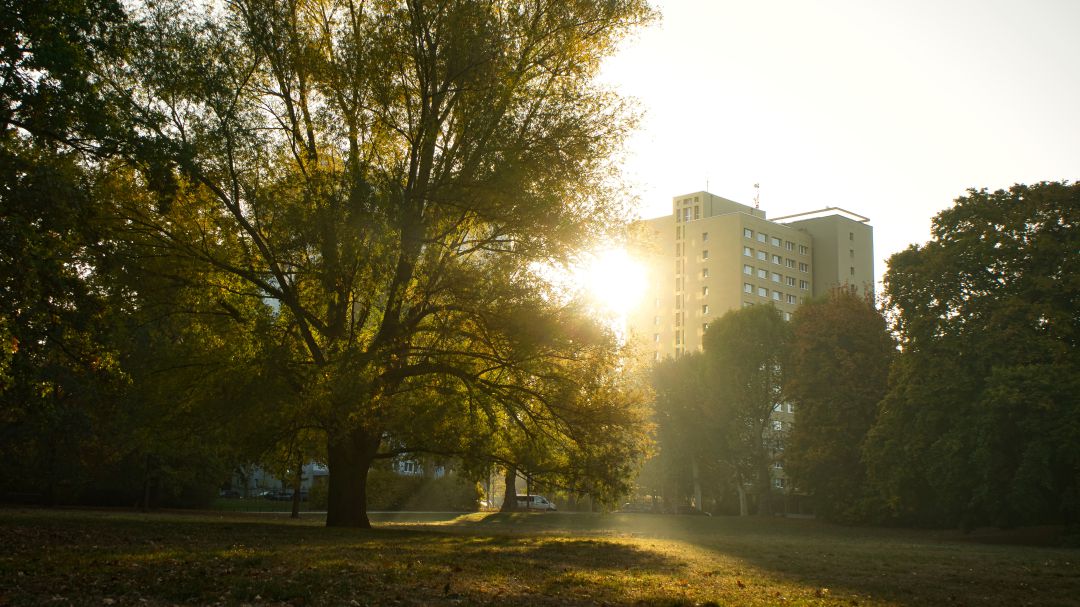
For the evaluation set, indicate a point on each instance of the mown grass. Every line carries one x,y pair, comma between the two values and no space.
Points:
110,558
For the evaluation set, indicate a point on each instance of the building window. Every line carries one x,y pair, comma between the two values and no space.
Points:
777,260
748,270
704,327
747,304
762,237
804,285
791,281
776,242
777,425
656,320
747,251
790,299
790,408
704,272
787,315
656,356
697,212
852,270
747,287
803,249
705,254
803,267
789,263
776,277
678,284
777,295
762,255
762,292
678,232
686,214
747,233
778,465
704,291
704,237
656,337
778,483
705,309
763,273
789,245
851,235
851,253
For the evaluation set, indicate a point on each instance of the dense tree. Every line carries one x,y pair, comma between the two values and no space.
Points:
743,352
835,373
687,446
55,367
981,421
390,175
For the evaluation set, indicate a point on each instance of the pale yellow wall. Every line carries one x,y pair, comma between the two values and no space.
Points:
671,318
845,252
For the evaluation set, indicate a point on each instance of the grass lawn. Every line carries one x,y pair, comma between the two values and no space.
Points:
115,558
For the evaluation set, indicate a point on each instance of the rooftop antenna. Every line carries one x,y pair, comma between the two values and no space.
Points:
757,195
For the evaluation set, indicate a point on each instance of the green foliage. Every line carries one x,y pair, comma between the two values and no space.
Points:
388,490
744,352
683,439
390,176
835,373
980,424
277,221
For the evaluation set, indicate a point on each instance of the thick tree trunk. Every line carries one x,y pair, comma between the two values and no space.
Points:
510,498
349,458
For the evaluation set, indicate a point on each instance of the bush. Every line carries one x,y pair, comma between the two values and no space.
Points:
388,490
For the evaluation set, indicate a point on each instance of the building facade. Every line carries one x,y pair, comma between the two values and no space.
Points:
712,255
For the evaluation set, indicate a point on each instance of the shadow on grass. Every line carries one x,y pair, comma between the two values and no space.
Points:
96,558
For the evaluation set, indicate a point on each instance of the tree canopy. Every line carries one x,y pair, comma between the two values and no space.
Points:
836,372
980,424
364,195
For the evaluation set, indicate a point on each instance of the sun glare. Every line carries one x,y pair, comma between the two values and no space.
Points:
613,280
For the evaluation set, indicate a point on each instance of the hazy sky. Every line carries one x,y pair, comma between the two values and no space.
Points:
890,109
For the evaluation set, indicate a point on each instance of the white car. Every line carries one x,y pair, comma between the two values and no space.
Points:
534,502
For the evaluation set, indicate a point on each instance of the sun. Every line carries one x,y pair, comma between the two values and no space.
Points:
613,280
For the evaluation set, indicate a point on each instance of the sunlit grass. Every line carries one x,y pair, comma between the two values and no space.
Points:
96,558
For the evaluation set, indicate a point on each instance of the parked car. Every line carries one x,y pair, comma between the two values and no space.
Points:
285,496
534,502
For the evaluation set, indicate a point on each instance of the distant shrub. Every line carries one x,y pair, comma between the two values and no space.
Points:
388,490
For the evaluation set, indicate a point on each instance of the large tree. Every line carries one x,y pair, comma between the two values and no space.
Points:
981,421
688,445
55,366
390,176
835,373
744,351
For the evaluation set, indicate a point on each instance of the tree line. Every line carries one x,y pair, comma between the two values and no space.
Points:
309,229
954,403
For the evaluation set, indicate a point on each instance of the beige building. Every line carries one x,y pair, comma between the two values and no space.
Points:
712,255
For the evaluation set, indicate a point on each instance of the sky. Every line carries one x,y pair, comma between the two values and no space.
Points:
887,108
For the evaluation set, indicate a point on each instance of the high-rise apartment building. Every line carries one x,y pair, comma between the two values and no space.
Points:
712,255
